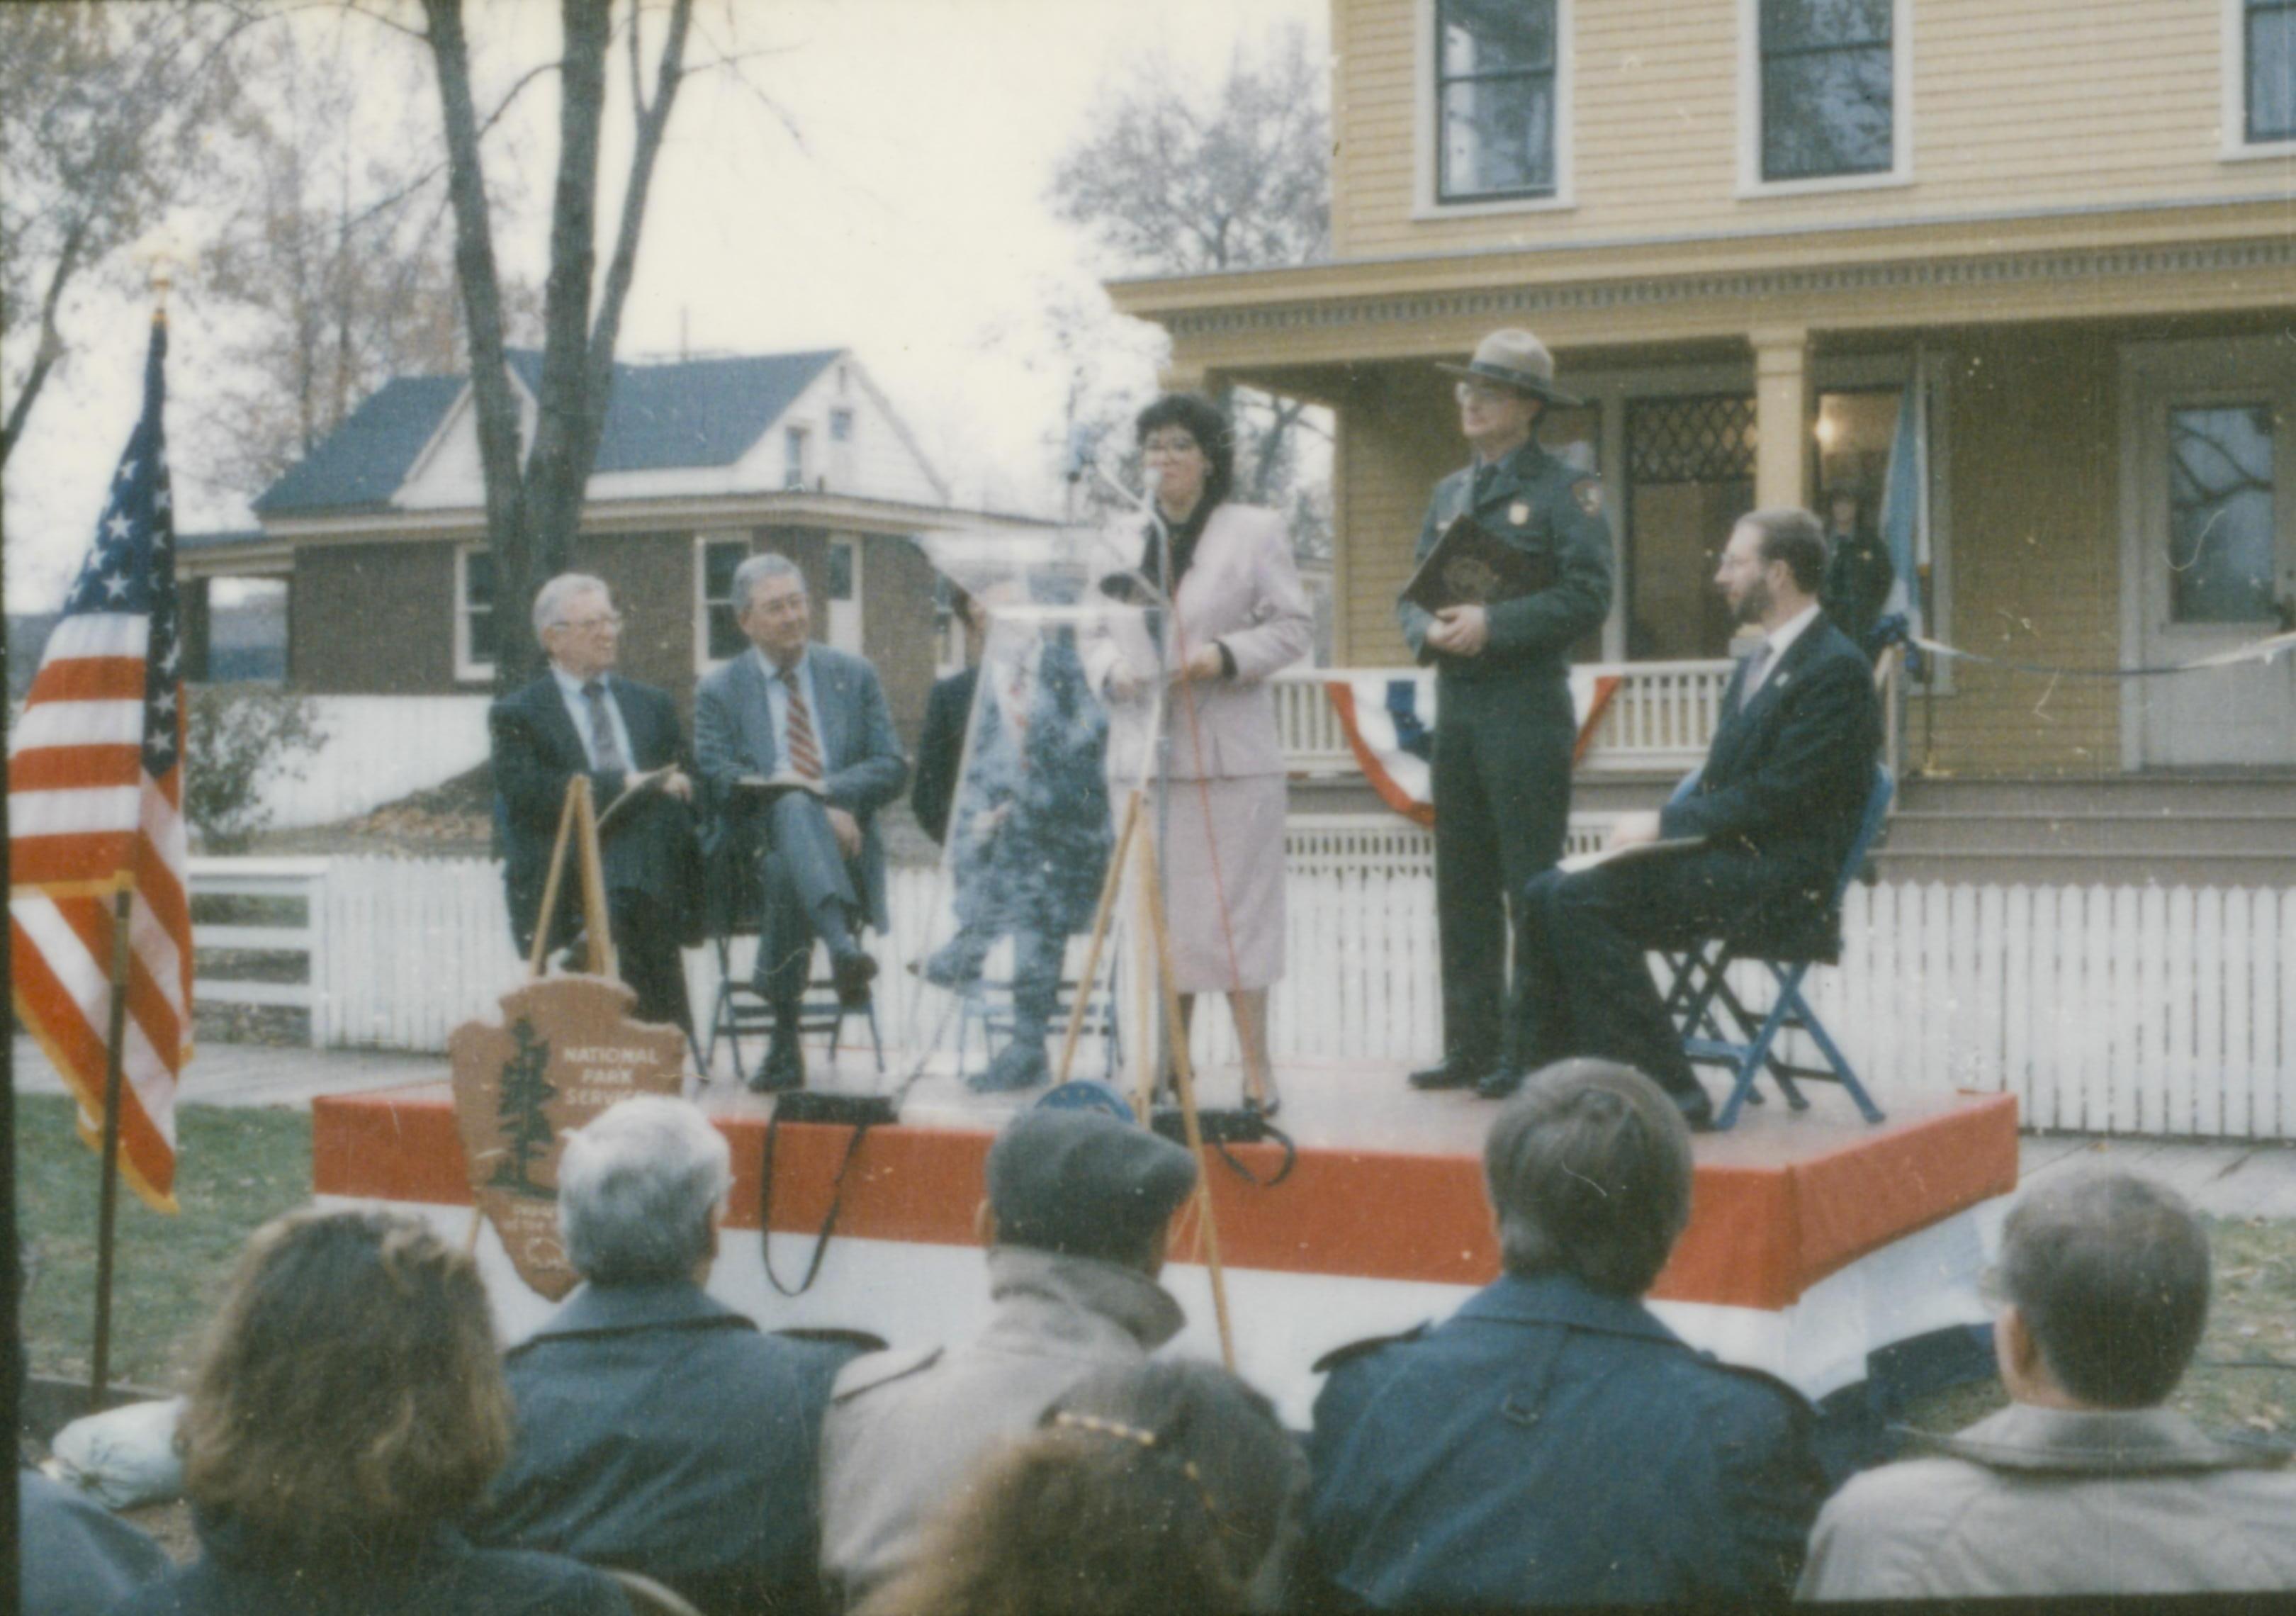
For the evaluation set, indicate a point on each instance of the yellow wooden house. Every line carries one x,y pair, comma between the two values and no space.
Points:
1745,228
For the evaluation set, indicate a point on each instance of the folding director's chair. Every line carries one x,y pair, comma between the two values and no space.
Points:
1702,996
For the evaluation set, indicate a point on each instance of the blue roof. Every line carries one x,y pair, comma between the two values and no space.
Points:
690,413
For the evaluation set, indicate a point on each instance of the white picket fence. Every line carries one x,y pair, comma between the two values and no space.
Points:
2112,1010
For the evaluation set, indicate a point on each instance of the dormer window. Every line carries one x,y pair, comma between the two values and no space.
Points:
1494,99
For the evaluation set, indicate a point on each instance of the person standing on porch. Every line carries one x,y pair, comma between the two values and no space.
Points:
1505,727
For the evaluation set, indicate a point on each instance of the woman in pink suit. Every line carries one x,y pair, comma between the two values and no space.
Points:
1239,615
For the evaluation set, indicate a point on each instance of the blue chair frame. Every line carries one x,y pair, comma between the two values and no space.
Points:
1701,995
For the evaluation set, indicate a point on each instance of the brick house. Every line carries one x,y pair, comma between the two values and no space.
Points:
380,532
1751,231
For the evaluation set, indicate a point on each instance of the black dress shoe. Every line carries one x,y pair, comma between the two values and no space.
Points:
1452,1072
854,970
784,1067
1501,1081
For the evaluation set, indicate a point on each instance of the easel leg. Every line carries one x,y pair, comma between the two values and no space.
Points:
1109,888
1184,1078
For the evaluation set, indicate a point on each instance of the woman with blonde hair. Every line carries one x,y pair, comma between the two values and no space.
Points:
349,1407
1161,1486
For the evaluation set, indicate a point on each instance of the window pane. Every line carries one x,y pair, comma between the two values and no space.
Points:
1497,35
1498,135
718,561
2272,72
1798,24
840,572
482,636
725,636
1827,113
2220,539
477,579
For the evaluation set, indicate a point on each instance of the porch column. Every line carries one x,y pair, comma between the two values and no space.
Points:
1781,414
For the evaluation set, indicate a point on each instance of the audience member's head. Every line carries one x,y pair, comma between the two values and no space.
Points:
1158,1487
639,1191
349,1399
1588,1171
1083,1183
2106,1278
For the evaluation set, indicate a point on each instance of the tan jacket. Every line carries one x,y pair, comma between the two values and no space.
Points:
2042,1501
905,1429
1242,591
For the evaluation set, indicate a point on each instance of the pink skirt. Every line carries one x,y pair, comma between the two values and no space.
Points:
1223,882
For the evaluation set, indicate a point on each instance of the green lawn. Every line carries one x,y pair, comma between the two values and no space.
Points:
237,1168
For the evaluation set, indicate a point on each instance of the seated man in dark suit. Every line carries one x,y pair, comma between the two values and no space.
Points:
1552,1442
815,718
1028,828
580,717
1775,811
657,1430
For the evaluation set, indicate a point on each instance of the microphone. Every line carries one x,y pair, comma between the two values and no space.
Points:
1080,453
1151,477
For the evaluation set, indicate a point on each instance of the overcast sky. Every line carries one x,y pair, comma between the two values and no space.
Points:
910,225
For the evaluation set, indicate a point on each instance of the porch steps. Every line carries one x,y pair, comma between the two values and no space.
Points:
2165,829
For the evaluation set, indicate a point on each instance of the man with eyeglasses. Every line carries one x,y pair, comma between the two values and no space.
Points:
582,717
1505,727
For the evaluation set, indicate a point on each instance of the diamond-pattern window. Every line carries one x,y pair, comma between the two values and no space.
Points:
1700,439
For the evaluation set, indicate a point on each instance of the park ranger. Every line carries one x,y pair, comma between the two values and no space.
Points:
1505,726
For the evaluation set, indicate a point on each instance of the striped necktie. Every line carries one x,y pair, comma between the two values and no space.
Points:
804,751
604,746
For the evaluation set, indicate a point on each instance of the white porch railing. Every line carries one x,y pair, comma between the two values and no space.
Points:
2104,1009
290,896
1659,721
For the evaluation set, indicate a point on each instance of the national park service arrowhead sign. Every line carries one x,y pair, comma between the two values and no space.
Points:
564,1050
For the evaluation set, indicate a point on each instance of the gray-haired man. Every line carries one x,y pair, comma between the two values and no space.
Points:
657,1430
793,708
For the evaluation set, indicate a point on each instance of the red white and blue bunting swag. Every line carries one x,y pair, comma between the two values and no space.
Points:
1389,723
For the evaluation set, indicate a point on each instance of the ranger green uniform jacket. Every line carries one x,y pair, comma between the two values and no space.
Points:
1537,504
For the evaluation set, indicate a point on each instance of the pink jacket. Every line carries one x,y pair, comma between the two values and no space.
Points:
1242,591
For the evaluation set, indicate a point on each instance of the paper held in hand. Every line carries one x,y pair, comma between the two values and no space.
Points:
766,787
1472,566
1577,862
636,788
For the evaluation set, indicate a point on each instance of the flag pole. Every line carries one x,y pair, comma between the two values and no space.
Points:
115,1046
107,1203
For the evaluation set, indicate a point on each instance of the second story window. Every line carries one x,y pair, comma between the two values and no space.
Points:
793,447
2268,61
1494,99
840,426
1827,89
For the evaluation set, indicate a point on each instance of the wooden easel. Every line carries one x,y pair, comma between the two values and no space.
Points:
578,823
1135,841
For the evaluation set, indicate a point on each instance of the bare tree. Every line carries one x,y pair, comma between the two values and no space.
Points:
103,113
534,506
1180,183
339,254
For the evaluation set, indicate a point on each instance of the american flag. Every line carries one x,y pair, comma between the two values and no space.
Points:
95,793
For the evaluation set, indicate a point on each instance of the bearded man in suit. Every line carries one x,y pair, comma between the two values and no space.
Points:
582,717
1774,814
814,719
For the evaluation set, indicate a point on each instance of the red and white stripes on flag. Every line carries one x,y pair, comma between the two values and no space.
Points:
95,791
1390,724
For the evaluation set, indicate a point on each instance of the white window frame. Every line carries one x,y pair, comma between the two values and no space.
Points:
1900,172
2235,146
797,457
468,669
1428,133
703,662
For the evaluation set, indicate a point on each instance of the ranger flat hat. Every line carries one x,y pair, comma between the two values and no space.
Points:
1079,1181
1513,357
